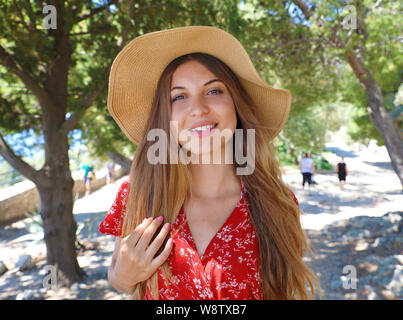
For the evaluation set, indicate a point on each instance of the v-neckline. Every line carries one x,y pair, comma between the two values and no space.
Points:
230,217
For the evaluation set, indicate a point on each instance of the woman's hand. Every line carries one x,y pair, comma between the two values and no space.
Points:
134,258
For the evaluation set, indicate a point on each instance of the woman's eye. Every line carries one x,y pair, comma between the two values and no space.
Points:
175,98
218,90
178,96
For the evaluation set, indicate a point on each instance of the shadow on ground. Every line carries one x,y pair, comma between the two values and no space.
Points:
94,252
340,152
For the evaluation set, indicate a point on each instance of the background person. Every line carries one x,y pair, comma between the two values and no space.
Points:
307,168
89,174
341,169
110,177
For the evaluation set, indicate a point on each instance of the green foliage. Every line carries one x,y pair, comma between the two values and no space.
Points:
308,131
287,49
93,42
283,155
362,129
301,50
286,57
305,131
325,165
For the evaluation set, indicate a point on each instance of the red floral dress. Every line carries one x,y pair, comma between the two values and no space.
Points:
228,269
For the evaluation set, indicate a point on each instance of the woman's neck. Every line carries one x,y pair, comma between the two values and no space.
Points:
214,180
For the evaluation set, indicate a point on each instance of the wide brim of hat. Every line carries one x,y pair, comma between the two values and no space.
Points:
137,68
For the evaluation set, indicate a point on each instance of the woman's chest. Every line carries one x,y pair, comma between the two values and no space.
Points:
228,269
205,219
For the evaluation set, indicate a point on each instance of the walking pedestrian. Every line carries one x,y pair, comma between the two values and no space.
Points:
307,168
341,169
110,178
89,174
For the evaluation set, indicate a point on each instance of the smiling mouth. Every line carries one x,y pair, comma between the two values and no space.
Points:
203,130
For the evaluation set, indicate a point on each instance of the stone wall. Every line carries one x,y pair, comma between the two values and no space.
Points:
14,208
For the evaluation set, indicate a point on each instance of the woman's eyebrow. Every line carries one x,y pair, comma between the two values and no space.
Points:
208,82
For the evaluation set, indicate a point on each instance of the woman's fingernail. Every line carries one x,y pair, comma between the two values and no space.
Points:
167,225
160,218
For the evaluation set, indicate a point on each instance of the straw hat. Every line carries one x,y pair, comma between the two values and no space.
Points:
137,68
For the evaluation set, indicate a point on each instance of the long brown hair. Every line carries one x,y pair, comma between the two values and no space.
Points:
162,189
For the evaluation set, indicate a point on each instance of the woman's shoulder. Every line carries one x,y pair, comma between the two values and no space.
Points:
125,185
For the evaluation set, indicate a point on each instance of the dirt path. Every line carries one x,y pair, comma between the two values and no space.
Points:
330,218
26,238
372,189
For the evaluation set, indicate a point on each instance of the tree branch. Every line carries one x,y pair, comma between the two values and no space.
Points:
86,102
90,97
31,14
96,10
10,63
17,163
120,159
357,65
20,15
304,8
88,32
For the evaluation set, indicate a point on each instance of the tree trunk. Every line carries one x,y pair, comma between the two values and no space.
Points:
50,87
56,198
378,113
55,186
291,152
60,229
382,120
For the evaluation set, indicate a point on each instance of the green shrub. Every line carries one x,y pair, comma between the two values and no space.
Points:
325,164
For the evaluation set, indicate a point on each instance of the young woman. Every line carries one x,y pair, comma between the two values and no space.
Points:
225,233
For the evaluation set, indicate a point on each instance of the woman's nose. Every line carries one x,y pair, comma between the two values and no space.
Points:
199,106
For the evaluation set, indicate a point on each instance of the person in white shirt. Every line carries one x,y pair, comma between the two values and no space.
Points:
307,168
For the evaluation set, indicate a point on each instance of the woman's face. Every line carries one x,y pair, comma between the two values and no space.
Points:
203,108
